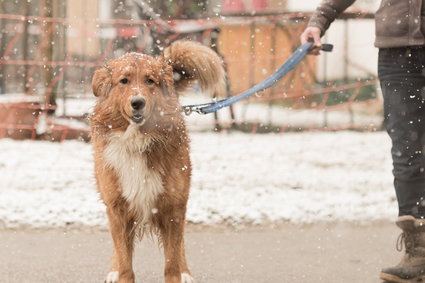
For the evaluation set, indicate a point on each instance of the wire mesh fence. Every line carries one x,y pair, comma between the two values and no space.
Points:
46,65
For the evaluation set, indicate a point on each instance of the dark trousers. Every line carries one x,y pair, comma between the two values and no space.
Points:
401,72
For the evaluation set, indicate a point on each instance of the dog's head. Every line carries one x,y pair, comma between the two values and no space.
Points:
136,89
143,90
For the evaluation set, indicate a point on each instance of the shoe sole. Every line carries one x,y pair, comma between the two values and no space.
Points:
395,279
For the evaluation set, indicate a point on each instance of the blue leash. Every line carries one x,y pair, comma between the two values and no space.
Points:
292,61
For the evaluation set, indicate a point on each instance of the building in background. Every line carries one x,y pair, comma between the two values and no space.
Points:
89,28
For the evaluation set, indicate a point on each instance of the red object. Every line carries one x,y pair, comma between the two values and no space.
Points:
259,5
233,6
128,32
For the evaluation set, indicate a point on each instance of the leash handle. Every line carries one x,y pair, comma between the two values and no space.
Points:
327,47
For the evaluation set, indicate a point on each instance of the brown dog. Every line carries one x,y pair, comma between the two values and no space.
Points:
141,149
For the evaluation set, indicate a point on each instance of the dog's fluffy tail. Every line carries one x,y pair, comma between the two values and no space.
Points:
192,61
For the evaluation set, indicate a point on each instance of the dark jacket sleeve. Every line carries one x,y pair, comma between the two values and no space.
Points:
327,12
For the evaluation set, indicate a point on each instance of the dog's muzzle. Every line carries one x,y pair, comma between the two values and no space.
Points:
137,105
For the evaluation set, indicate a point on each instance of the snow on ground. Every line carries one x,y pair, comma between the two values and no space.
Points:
237,179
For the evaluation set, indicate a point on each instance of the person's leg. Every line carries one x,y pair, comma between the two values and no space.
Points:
401,72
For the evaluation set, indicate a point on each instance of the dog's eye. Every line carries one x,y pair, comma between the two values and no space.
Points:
124,81
149,82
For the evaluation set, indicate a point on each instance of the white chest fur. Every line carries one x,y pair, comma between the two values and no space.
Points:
140,184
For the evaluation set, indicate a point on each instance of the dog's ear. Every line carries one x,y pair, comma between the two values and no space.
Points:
166,77
101,82
192,61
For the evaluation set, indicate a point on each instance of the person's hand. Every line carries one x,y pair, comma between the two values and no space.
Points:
312,34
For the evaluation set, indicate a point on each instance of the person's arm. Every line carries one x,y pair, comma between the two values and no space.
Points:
325,14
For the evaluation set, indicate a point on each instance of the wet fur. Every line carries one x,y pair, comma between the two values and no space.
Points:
143,170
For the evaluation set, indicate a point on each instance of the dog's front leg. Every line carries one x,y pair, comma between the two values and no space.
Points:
123,237
172,238
186,275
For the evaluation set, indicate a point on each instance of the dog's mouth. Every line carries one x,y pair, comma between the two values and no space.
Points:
137,118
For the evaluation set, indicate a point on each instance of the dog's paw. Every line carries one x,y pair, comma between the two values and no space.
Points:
112,277
187,278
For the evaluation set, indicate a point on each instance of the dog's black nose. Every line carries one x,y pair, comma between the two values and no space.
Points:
138,103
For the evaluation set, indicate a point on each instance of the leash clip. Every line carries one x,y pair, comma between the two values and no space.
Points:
189,109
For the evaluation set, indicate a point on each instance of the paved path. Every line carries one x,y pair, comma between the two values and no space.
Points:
315,253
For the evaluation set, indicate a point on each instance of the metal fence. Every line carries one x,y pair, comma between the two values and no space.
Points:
46,65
